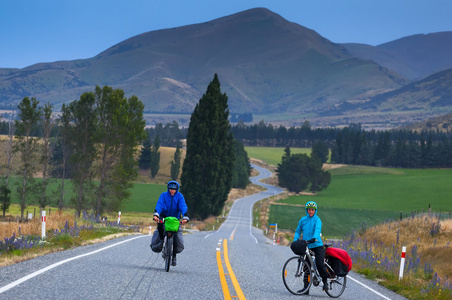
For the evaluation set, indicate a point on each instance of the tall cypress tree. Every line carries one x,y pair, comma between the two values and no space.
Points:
154,161
175,163
209,162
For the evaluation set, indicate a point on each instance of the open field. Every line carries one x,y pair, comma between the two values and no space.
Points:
360,196
272,155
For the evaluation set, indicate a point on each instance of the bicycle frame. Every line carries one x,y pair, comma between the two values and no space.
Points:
168,248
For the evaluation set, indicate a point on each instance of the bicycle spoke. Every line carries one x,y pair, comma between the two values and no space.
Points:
295,274
336,286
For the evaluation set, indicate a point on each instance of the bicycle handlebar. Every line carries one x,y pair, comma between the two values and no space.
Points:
163,221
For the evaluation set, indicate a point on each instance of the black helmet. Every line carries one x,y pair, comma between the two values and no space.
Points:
173,185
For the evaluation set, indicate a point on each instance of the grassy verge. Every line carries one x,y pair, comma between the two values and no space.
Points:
376,253
63,231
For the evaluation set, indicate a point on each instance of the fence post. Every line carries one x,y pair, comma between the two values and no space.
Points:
402,262
43,220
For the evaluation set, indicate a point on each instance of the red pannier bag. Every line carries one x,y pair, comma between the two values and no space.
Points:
339,260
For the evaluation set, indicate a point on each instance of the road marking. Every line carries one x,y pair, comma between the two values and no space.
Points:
25,278
369,288
238,290
251,223
224,284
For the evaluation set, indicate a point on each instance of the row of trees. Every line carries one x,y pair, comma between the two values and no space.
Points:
96,139
398,148
353,145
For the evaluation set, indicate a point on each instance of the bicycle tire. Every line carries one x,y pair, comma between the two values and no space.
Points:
295,270
336,286
169,252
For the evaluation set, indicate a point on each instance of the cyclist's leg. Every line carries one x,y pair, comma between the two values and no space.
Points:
178,241
161,230
320,263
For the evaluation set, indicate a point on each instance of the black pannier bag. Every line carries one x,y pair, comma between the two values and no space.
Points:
179,240
298,247
339,268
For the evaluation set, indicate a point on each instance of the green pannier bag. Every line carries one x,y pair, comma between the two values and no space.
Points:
172,224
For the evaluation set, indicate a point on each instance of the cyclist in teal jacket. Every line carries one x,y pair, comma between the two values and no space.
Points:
311,227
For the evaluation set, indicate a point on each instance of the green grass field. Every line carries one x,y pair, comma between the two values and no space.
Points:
360,195
143,197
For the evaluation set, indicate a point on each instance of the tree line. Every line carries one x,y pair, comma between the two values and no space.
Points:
96,138
93,144
354,145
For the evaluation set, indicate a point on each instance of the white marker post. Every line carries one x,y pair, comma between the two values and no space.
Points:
150,230
119,218
402,263
43,220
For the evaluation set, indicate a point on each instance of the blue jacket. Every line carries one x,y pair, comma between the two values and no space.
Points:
171,206
311,228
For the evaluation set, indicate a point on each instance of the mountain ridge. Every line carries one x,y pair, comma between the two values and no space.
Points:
266,65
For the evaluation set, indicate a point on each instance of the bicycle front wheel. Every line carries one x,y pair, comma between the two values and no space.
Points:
296,275
168,252
336,286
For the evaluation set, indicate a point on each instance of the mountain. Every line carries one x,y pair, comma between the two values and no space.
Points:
433,92
414,57
266,65
411,104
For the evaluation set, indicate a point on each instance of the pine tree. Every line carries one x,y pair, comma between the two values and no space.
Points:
154,160
209,163
144,162
175,163
242,167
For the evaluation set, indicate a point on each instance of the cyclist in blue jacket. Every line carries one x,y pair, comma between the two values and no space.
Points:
171,204
311,226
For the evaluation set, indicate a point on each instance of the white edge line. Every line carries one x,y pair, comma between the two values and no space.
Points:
251,221
369,288
23,279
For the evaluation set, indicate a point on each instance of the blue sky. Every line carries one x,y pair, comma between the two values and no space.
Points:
33,31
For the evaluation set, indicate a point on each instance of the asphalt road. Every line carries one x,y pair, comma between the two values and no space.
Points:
235,261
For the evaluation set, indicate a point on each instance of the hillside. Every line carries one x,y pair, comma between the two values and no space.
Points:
266,65
442,123
410,104
414,57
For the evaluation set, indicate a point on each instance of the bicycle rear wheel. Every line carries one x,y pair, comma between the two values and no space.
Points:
168,252
296,275
336,286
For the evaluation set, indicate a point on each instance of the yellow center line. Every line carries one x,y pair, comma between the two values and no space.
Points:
224,284
237,288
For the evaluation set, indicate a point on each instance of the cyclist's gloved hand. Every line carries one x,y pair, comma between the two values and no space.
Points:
311,240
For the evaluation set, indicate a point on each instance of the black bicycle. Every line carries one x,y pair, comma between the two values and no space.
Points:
171,226
301,269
